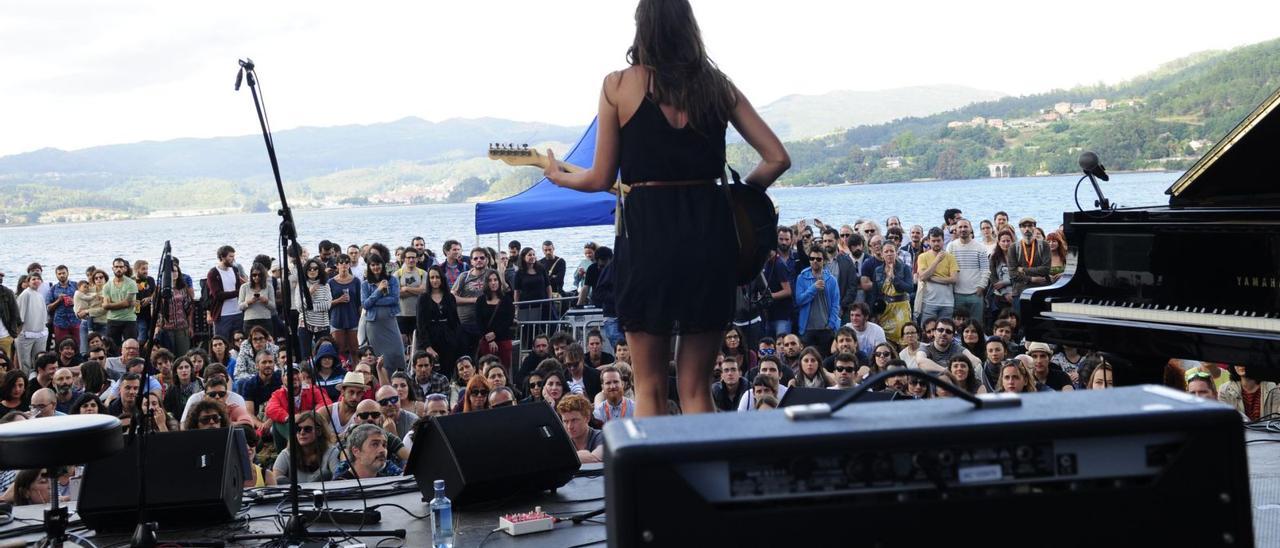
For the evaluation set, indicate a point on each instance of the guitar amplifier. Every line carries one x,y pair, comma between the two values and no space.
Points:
1139,466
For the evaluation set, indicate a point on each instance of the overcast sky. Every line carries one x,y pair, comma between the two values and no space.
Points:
86,73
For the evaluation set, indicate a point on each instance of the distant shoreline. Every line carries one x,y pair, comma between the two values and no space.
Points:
197,214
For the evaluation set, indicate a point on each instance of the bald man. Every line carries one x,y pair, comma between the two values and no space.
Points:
394,418
65,389
369,412
44,404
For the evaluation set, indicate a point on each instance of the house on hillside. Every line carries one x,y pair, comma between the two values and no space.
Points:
892,162
1063,108
1098,104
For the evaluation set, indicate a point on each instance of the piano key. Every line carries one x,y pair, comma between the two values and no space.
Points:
1199,316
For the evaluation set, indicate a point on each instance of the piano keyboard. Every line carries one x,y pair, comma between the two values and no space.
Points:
1171,314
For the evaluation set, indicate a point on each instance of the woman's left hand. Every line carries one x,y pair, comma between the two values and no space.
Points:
553,166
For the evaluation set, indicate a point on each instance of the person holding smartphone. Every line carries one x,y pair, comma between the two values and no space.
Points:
257,299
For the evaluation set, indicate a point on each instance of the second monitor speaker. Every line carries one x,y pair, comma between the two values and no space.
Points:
491,454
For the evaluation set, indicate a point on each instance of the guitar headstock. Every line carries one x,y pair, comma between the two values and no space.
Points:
517,155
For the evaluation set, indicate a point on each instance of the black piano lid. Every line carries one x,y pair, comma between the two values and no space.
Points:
1241,168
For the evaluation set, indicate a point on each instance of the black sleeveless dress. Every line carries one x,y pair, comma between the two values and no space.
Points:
675,253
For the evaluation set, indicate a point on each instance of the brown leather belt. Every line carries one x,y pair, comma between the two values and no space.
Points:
673,183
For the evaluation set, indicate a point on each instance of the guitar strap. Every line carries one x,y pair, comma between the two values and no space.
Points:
619,222
728,197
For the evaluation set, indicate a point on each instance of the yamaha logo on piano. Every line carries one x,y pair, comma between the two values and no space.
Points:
1257,281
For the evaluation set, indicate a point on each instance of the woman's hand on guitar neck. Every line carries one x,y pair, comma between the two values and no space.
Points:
553,167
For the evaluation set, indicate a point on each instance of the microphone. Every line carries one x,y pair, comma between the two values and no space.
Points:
166,272
1091,165
239,78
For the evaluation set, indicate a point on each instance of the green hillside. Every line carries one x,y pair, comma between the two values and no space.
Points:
1161,120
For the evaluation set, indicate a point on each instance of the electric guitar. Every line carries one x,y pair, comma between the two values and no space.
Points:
755,215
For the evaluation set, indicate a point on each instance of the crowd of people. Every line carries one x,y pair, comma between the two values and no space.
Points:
386,339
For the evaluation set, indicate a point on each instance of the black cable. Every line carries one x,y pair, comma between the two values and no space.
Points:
403,509
486,538
587,516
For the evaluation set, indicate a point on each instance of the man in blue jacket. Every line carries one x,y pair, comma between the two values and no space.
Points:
818,296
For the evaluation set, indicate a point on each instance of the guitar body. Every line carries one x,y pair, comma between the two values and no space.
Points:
756,224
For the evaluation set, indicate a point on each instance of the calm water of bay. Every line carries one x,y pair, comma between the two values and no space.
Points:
195,239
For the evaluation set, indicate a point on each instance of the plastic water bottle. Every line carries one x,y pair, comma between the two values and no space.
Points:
441,518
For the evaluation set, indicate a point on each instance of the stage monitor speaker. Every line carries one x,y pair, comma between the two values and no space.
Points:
491,454
928,472
194,478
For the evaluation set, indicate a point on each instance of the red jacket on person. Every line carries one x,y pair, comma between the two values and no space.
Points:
313,398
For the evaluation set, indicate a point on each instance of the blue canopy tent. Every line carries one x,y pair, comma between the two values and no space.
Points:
545,205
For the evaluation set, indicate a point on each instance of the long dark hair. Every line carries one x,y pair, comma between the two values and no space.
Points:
213,358
9,383
669,43
523,268
84,398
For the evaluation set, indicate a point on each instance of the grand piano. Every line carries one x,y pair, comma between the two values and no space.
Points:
1196,279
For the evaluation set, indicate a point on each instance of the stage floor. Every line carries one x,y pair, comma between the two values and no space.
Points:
581,495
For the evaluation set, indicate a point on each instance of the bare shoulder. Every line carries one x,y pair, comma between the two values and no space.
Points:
628,82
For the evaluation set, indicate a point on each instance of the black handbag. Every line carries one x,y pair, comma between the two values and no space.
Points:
755,223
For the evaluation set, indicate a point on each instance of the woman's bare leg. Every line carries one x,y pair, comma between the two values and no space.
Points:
649,366
695,358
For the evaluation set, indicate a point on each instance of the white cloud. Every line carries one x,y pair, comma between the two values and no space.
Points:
80,74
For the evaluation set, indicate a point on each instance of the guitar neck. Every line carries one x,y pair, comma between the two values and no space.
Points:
530,157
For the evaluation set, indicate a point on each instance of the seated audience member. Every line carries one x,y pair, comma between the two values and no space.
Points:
1101,376
87,404
615,405
766,403
367,444
846,368
211,372
1201,384
475,397
502,396
318,453
260,477
575,411
31,487
1014,377
208,414
769,367
395,419
1042,370
1250,396
764,385
310,398
369,412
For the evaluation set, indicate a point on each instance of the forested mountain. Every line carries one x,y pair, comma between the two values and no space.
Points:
1161,120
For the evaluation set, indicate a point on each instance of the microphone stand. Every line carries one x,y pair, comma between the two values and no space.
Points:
1103,203
295,528
144,533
